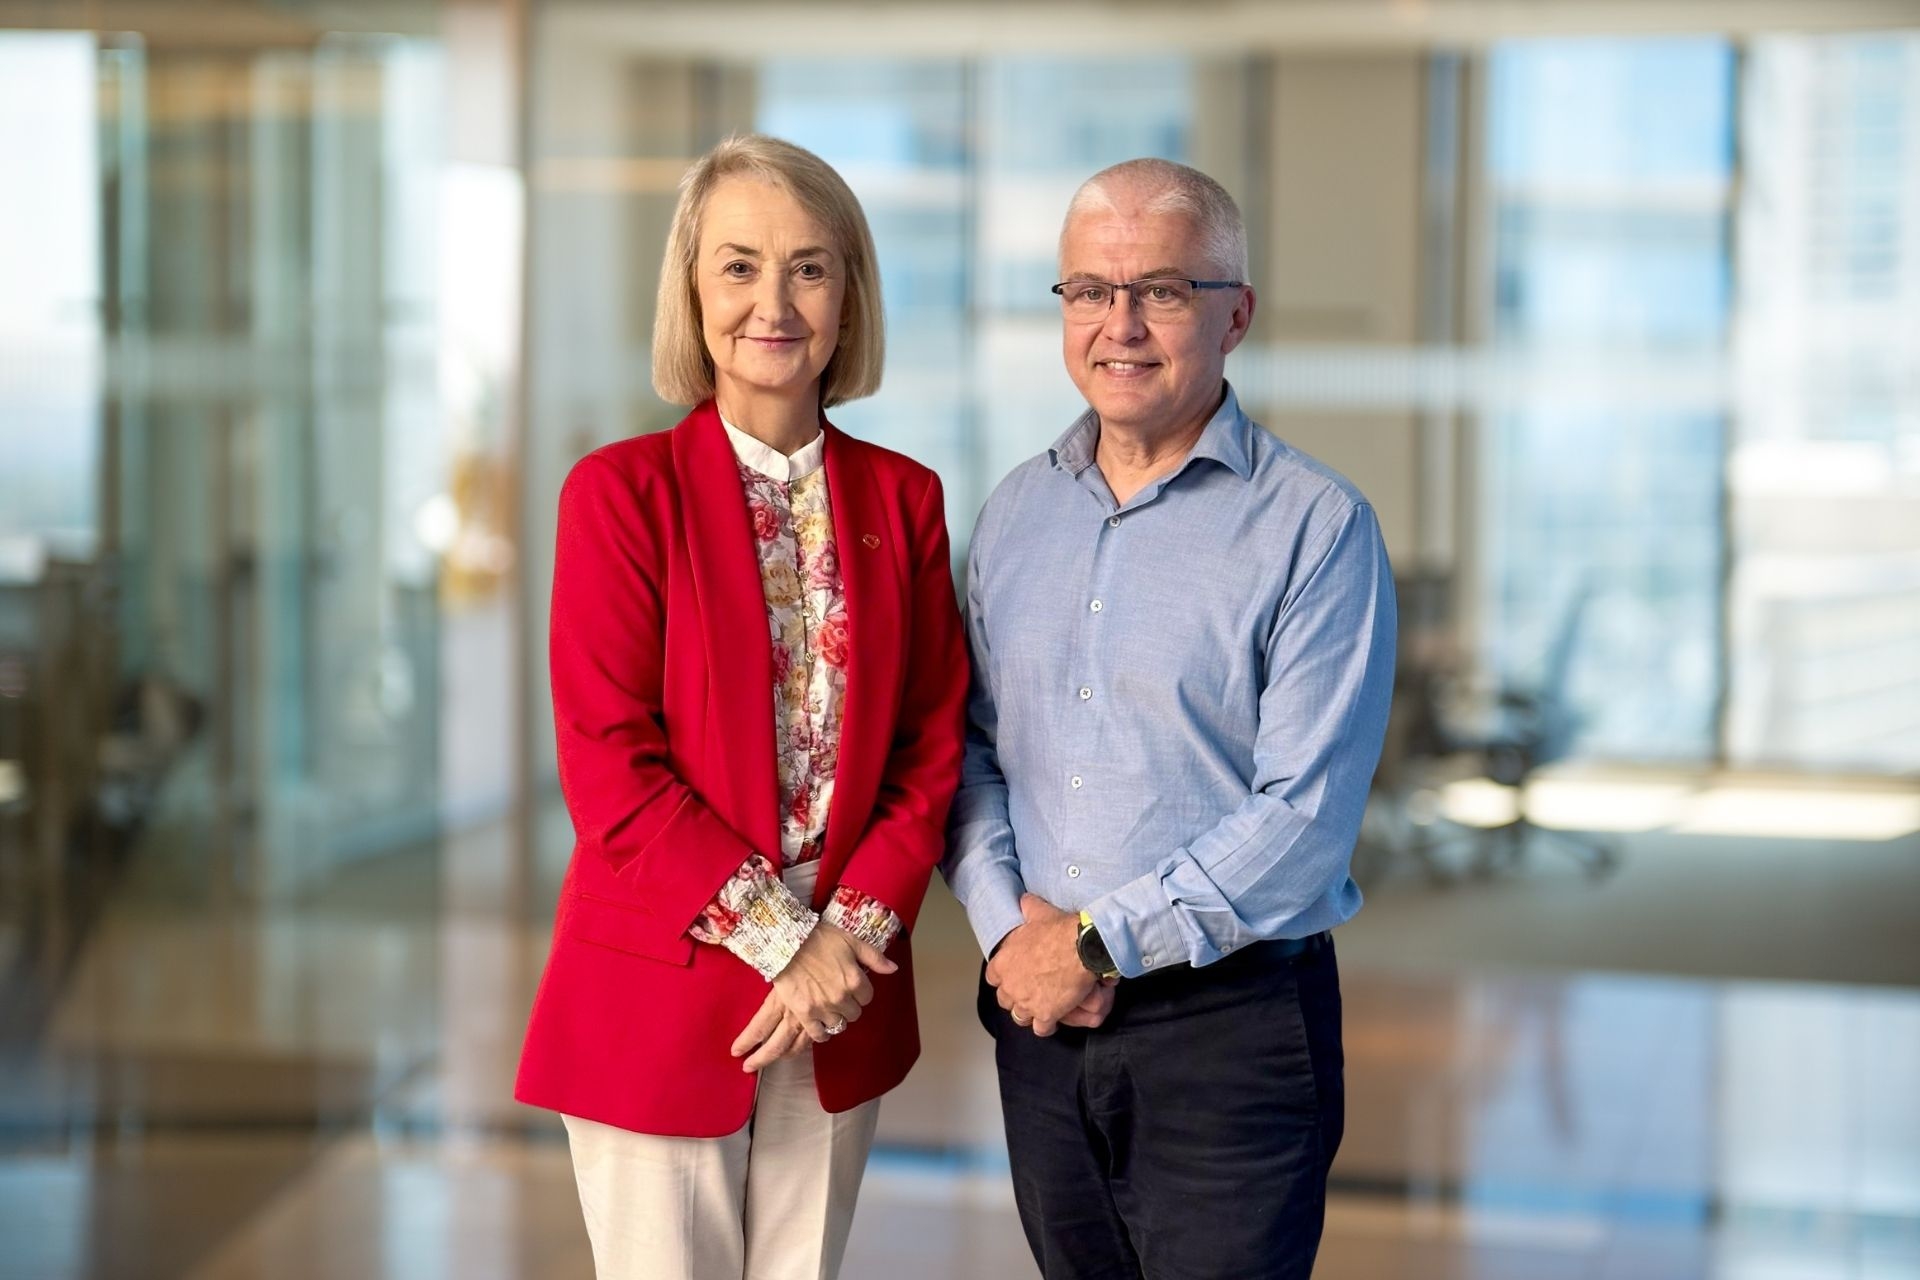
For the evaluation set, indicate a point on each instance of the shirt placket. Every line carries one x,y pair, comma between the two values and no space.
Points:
787,544
812,706
1093,656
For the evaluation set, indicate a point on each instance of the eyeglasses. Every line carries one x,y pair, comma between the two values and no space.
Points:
1157,297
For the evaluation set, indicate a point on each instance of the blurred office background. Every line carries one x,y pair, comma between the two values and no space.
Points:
1612,307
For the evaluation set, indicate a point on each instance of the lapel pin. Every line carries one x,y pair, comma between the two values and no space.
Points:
870,539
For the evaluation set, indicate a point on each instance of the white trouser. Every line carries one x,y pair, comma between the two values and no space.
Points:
771,1202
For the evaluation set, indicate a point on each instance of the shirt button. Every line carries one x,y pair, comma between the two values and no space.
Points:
1073,873
1085,693
1147,961
1095,606
1113,522
1076,782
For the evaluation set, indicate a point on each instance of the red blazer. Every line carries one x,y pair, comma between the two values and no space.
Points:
663,702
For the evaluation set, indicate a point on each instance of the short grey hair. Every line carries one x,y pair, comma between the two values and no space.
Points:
1166,187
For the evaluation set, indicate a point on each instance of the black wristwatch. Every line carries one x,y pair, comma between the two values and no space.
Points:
1093,951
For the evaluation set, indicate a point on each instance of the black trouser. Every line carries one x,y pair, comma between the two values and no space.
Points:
1190,1136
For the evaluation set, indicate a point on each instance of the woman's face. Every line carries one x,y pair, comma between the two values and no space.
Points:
771,282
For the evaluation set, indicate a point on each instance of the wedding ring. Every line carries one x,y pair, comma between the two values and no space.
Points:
1019,1021
837,1027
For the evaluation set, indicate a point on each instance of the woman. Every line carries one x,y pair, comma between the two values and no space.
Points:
757,682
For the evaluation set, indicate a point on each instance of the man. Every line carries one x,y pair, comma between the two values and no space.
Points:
1183,636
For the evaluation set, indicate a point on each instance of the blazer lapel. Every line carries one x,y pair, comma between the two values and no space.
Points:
871,571
733,622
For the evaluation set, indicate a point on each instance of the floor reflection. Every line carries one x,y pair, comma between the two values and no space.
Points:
324,1092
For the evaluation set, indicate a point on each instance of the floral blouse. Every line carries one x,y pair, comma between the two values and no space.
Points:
755,915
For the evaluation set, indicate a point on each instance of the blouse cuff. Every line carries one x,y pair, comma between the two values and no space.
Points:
862,916
757,918
772,926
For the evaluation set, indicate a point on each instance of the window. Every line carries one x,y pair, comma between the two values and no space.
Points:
1610,166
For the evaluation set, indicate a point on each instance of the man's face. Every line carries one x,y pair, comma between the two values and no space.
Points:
1153,374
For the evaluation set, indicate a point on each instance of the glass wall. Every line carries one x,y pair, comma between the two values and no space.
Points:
49,323
221,418
236,543
1717,557
1824,651
1610,176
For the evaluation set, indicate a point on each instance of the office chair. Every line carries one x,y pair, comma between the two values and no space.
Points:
1440,729
1522,729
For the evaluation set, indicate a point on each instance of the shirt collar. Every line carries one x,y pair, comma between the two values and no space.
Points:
1226,439
773,464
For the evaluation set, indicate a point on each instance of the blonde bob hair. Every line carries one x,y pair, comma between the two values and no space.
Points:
682,366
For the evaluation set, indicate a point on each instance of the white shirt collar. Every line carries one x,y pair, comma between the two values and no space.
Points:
773,464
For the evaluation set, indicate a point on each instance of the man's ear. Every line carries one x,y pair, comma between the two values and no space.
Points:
1242,321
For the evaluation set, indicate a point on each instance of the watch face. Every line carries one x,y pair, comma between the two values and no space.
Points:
1093,951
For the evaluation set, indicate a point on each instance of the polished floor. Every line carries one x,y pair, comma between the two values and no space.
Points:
322,1092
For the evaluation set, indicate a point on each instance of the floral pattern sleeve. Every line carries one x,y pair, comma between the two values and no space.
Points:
865,917
756,918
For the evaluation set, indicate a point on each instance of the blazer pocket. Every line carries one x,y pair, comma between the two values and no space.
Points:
631,929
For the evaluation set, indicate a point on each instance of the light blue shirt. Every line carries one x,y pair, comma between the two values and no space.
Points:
1177,704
